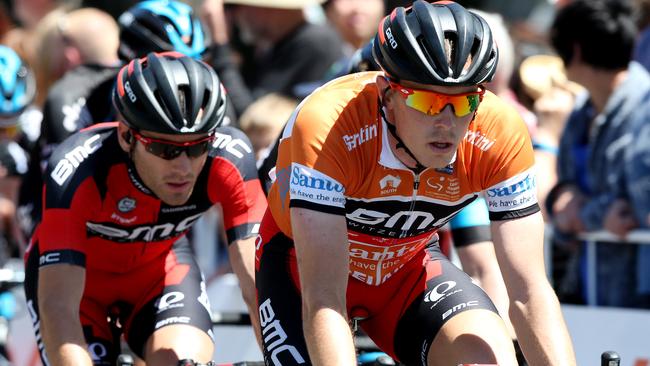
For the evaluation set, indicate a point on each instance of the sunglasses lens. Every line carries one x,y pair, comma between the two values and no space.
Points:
433,103
194,151
165,151
169,151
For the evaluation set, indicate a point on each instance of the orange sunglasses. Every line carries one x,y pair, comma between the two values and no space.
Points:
432,103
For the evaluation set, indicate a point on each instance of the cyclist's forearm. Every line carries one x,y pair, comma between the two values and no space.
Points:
328,337
64,341
541,330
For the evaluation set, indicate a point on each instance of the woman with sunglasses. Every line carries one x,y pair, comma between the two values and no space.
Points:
118,200
370,166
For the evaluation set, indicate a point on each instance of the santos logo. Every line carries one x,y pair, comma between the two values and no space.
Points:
66,166
526,184
305,179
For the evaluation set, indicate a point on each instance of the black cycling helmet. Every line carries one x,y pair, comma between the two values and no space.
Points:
17,84
159,26
170,93
410,45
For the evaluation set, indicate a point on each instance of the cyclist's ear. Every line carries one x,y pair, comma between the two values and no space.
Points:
128,137
382,87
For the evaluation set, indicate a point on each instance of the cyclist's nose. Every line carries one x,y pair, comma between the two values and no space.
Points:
445,118
181,164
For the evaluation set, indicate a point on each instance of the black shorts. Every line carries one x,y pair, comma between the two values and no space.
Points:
402,315
165,292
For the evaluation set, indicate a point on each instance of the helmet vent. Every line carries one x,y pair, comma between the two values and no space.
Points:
163,105
182,103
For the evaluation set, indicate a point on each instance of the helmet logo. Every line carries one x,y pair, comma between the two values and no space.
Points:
391,39
129,92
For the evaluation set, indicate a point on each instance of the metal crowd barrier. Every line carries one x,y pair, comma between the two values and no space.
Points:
594,237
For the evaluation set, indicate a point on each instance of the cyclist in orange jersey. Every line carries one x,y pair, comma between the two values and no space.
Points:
370,166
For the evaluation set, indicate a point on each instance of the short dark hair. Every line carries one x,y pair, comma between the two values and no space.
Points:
604,31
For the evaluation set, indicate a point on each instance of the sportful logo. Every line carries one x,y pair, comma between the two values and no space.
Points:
71,161
366,133
477,139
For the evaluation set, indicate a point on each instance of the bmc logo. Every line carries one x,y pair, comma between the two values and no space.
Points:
49,258
407,219
233,146
140,233
71,161
459,307
274,336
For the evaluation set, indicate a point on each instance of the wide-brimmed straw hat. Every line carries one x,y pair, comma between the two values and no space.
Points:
540,73
279,4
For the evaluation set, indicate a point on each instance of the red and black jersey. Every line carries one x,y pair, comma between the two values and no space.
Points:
97,213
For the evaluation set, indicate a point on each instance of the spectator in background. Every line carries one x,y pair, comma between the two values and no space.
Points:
288,50
17,91
595,39
642,49
354,20
500,85
543,79
45,52
632,209
85,43
263,122
82,96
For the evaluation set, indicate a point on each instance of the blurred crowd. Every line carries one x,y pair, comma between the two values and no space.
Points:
577,71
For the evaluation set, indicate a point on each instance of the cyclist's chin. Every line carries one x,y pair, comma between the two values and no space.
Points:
437,160
174,197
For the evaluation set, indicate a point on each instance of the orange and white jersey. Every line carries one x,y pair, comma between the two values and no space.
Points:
335,157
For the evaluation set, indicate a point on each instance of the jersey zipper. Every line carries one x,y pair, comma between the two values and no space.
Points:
416,185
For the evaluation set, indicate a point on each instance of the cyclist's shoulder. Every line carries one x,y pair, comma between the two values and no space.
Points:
83,154
343,104
230,142
80,81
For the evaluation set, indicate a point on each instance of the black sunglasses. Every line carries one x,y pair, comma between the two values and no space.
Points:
169,150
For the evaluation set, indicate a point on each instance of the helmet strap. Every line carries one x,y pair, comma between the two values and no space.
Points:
400,143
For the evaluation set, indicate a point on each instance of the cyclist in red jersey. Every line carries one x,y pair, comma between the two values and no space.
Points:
118,201
370,166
